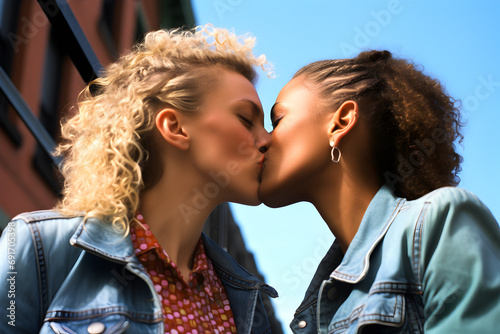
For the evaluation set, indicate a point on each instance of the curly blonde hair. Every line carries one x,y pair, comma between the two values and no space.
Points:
108,144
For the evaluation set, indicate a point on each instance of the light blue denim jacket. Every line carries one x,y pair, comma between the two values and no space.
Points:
429,265
62,277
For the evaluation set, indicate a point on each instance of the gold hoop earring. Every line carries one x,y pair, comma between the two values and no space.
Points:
333,154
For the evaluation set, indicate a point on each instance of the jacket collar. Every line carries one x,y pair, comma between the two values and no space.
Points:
377,219
331,260
231,271
248,312
103,240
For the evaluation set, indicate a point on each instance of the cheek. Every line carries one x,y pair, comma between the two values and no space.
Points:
231,142
293,147
238,144
246,147
295,155
292,158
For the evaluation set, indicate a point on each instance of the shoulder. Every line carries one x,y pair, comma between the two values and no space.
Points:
450,195
452,203
456,255
42,215
443,217
445,203
46,225
454,220
49,216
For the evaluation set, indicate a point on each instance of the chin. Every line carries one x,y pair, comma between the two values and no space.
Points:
279,193
247,195
272,199
266,194
254,201
275,203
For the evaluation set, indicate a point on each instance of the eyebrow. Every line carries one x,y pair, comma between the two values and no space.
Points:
255,108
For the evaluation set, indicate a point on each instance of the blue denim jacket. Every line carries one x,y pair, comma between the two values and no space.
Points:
63,276
431,264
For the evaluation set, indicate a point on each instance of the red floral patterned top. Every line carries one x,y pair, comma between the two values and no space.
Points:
197,306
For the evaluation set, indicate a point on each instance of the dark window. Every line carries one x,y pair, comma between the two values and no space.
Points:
176,13
50,109
106,23
4,219
9,44
141,24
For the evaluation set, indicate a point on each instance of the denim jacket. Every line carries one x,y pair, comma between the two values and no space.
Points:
429,265
58,275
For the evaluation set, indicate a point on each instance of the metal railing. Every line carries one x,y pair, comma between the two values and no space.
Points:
67,29
32,123
68,32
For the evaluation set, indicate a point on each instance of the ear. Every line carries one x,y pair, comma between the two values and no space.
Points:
343,121
169,123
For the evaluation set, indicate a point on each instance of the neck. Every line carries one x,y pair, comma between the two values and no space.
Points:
175,209
343,202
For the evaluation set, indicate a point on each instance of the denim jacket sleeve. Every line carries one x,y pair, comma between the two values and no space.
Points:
459,263
17,262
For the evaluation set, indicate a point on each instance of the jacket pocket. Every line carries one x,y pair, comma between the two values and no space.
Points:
114,324
380,310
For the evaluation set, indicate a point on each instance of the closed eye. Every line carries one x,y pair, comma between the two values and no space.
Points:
276,121
248,123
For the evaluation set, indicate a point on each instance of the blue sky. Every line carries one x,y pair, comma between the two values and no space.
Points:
456,42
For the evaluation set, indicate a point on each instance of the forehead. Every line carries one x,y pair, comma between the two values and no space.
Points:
297,89
298,97
231,87
231,92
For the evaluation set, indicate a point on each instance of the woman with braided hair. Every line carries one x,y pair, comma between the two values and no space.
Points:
370,142
170,130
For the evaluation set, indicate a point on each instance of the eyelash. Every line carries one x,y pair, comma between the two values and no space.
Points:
246,121
276,121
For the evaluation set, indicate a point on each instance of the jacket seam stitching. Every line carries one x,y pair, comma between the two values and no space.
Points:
395,287
252,303
40,267
302,309
154,318
255,285
417,243
40,216
355,315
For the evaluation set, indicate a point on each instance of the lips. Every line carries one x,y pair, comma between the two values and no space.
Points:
261,161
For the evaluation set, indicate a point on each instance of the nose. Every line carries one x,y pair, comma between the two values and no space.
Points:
263,141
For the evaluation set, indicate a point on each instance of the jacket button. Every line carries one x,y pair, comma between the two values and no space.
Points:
96,328
302,324
332,294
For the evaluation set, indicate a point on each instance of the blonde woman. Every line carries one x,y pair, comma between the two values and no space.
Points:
171,130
